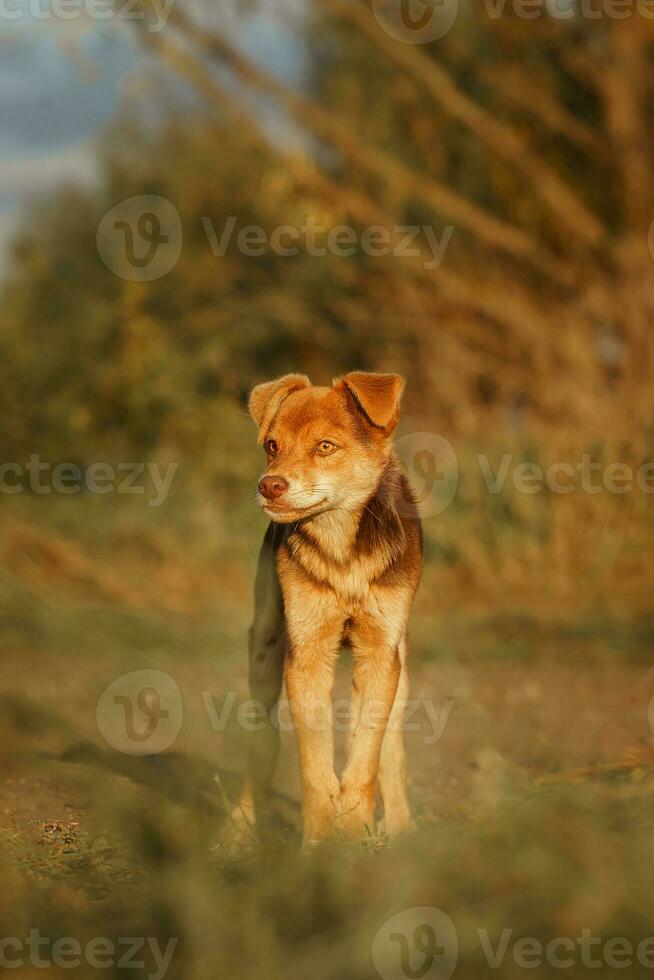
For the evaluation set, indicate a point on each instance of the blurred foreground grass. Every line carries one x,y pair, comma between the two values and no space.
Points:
535,800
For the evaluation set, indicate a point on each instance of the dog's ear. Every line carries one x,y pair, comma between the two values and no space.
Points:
376,396
265,399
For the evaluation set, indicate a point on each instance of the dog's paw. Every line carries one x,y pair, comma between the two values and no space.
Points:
398,825
356,819
321,809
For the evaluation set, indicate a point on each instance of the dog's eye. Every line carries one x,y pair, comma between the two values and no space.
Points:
271,447
325,447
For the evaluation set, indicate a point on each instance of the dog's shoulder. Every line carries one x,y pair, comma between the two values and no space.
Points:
391,526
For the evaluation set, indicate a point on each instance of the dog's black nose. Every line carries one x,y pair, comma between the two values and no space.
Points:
272,487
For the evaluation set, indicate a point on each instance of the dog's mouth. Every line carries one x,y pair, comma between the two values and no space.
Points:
283,511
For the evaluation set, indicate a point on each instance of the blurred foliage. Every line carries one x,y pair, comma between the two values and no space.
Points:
531,137
536,321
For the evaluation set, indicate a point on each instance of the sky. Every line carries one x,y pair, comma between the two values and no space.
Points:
56,93
62,83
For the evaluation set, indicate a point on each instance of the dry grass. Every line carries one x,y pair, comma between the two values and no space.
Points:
534,805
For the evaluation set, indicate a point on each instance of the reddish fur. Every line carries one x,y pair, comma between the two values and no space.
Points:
341,561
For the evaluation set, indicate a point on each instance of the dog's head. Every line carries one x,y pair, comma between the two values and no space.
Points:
326,448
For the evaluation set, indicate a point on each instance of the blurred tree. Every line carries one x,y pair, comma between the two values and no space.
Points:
531,137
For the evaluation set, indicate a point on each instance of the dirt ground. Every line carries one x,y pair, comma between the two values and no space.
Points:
469,728
530,761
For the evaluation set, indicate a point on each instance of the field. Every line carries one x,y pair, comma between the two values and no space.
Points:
321,186
530,762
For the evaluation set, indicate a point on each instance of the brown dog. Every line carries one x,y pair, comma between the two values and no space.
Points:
340,563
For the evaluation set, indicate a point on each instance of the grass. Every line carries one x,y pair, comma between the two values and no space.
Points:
535,804
543,863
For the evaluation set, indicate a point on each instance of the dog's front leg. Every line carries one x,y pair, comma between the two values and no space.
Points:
392,764
309,680
375,681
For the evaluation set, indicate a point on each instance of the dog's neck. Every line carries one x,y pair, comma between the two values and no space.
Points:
334,532
341,535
